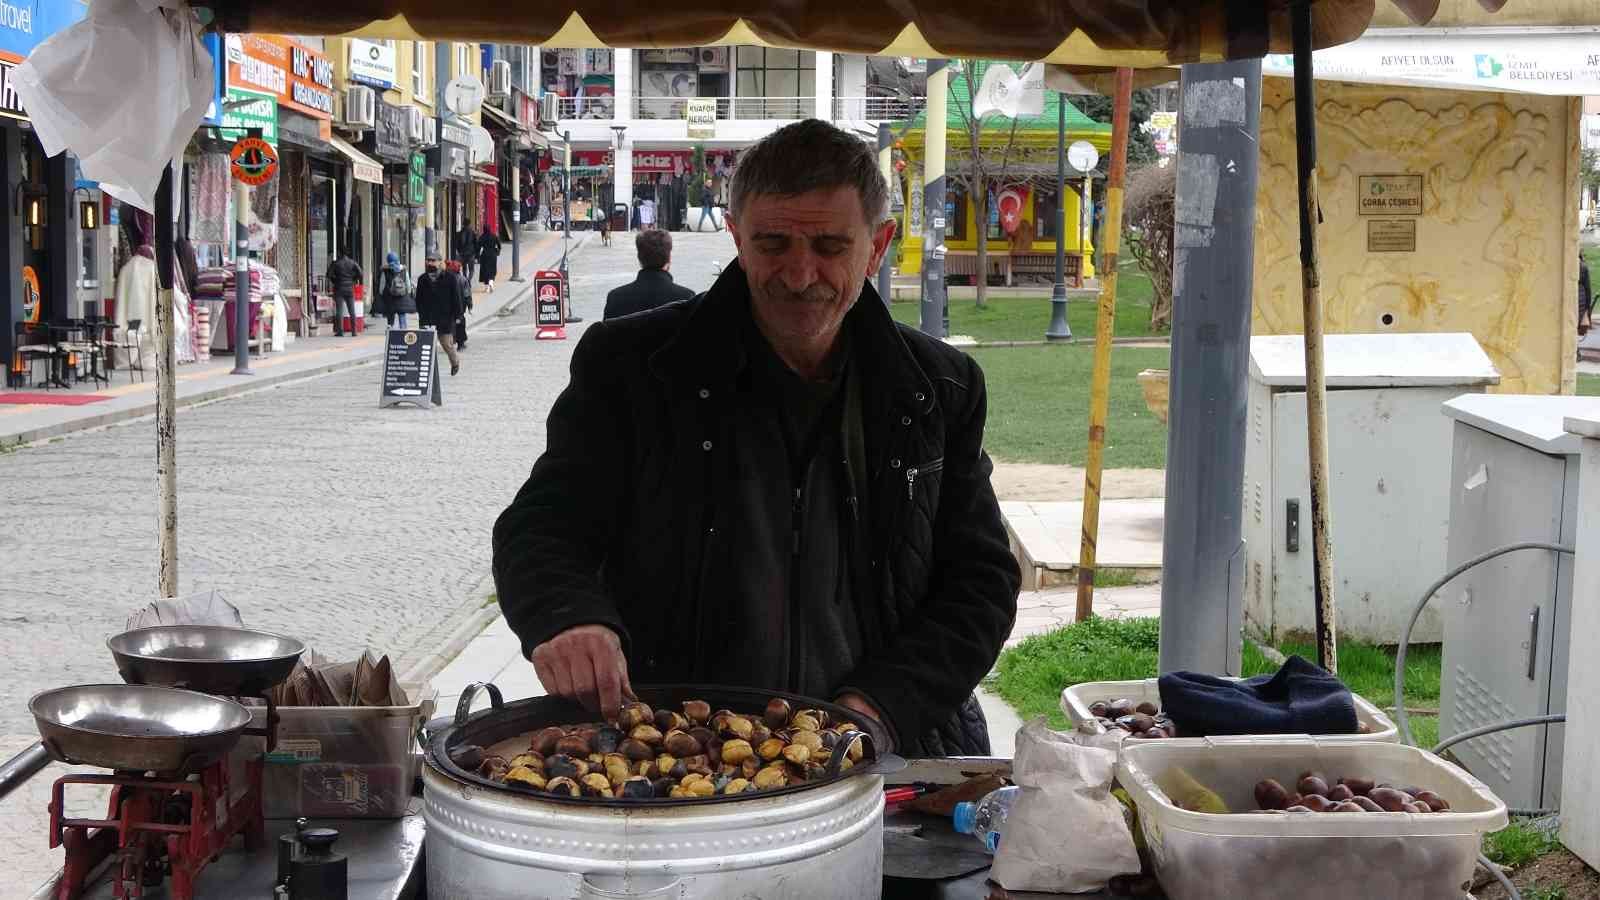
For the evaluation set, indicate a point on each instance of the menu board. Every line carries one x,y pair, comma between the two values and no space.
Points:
547,300
410,368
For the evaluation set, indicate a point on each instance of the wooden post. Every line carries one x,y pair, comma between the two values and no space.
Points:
166,394
1105,320
1305,126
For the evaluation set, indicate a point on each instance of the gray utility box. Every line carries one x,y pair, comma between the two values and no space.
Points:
1513,478
1387,487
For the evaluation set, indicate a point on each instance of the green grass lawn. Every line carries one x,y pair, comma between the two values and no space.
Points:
1039,406
1013,318
1588,385
1032,675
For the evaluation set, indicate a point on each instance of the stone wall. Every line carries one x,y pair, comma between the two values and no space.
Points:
1496,240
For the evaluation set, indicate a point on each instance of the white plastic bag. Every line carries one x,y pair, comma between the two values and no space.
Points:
1065,833
124,89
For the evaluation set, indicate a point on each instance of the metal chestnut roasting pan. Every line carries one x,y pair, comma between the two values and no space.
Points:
504,722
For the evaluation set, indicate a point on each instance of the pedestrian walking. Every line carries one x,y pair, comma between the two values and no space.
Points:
344,274
647,214
488,257
603,222
708,205
1585,299
464,247
439,305
395,288
654,286
465,288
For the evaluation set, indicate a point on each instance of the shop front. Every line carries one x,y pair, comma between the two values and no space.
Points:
452,196
661,179
390,145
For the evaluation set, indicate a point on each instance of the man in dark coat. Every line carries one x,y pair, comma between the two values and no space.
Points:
772,485
344,274
439,306
465,246
654,286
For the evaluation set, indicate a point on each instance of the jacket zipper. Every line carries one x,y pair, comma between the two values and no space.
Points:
915,471
799,506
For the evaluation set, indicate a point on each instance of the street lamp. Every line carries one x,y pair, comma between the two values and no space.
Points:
1059,330
616,156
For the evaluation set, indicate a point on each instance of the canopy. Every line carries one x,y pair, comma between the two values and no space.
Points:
1136,33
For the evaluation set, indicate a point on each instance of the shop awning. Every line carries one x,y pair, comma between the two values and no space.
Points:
1138,33
482,177
362,166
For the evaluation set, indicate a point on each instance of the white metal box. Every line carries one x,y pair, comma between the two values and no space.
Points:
1513,478
1580,773
1389,495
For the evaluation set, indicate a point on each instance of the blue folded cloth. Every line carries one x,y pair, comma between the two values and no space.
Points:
1302,698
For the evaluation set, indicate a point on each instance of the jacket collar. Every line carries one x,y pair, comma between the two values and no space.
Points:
707,349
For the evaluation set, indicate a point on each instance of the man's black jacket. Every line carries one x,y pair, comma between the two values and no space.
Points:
439,300
616,523
653,288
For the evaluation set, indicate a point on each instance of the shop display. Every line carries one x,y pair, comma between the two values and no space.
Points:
661,754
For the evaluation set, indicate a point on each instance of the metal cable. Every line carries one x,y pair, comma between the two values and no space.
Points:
1511,890
1401,719
1498,726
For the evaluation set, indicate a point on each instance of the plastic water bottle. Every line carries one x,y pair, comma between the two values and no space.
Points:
986,819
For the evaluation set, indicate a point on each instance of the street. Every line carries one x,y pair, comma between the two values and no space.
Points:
314,511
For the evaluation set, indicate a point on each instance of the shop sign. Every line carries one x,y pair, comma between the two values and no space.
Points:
418,179
245,110
372,63
253,161
219,78
702,115
410,369
455,134
1389,195
678,57
392,138
10,103
299,77
25,24
1554,62
527,111
1391,235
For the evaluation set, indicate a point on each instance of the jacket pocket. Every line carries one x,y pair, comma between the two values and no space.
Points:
923,472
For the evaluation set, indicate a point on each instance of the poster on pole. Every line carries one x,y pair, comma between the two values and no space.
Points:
410,369
702,115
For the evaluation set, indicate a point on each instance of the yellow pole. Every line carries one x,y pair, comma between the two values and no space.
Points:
1100,384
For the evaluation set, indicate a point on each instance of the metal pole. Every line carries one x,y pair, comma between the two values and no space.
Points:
166,396
1305,118
1085,216
1100,382
935,316
516,213
886,168
1059,330
1202,582
241,280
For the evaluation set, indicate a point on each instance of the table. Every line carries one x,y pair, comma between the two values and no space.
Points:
385,863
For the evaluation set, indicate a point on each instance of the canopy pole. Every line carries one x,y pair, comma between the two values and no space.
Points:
1305,119
166,394
935,318
1100,384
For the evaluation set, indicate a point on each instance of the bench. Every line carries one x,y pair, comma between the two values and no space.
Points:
1005,265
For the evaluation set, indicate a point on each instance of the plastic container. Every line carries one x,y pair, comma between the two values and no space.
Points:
1075,702
345,761
1307,856
986,818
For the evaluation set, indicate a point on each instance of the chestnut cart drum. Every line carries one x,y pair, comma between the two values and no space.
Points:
487,841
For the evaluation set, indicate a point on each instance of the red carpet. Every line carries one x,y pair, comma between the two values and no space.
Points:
49,398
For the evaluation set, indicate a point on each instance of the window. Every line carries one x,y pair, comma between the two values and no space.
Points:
1045,213
464,59
89,271
420,51
778,82
955,214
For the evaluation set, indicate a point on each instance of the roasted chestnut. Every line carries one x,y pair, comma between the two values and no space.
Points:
562,766
771,777
646,734
633,715
737,786
532,760
797,753
758,732
703,734
544,740
809,739
681,743
597,785
636,788
698,765
704,787
778,713
467,756
697,711
805,722
563,786
770,749
750,767
525,776
736,751
737,727
666,720
607,739
574,745
637,751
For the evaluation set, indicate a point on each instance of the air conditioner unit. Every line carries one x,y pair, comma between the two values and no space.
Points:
430,131
500,78
550,60
549,109
417,128
360,107
712,59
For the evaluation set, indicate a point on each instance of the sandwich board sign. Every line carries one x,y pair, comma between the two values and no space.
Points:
410,369
549,319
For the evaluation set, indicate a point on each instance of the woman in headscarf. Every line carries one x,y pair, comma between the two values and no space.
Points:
488,256
395,291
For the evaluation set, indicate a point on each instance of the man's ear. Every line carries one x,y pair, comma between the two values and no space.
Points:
882,238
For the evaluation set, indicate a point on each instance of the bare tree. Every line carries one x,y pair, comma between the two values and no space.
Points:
1150,220
981,170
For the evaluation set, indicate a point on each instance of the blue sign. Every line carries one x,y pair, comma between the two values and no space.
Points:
219,79
25,24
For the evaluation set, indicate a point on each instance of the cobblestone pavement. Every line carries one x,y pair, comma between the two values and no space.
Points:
317,513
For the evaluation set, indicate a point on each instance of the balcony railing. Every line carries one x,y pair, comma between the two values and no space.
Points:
730,108
877,109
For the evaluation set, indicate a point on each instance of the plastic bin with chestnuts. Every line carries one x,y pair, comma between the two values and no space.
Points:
1135,706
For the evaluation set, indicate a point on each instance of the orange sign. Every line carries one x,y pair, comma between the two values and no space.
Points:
300,77
253,161
31,307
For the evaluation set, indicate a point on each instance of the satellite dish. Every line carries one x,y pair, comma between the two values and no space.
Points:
1082,155
463,95
482,145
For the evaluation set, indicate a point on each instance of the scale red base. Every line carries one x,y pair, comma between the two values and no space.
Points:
549,312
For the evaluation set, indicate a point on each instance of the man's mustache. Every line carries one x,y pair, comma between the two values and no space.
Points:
817,293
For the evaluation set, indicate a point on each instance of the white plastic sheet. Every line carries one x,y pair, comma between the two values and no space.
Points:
123,89
1066,833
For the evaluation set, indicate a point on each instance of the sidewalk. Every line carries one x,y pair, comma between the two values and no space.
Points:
211,379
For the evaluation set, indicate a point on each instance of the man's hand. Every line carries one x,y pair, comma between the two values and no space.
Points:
585,663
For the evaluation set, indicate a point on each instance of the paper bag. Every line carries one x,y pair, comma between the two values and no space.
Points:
1065,833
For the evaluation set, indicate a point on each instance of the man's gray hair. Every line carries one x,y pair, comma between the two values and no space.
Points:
810,156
